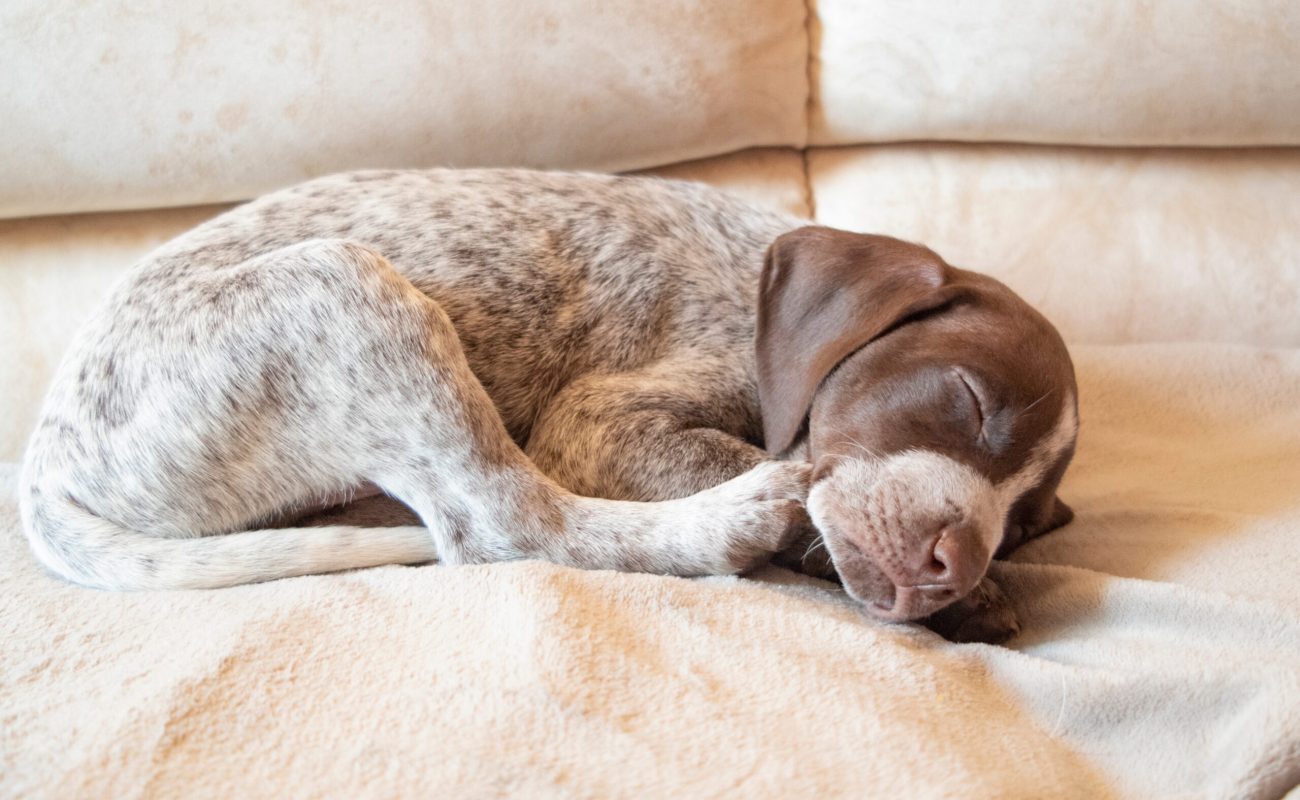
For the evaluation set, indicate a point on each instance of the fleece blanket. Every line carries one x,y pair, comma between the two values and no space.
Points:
1160,655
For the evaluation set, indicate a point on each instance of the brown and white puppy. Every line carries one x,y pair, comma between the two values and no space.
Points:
939,411
523,360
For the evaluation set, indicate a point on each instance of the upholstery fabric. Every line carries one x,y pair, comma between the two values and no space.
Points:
118,105
1112,72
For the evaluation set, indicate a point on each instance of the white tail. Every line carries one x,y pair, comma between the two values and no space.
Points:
91,551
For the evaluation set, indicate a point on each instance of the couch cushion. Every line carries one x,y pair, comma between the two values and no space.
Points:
120,104
1114,245
1111,72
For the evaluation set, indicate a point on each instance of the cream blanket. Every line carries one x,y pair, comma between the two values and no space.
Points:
1160,654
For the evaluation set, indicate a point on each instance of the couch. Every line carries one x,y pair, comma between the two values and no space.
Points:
1133,169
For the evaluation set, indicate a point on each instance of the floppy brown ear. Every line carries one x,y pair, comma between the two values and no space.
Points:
824,293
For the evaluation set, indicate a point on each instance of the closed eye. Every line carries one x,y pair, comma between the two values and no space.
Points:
976,402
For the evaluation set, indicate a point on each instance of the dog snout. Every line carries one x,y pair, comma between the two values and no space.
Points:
918,580
908,535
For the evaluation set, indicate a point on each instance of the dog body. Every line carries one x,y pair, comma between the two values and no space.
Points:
520,358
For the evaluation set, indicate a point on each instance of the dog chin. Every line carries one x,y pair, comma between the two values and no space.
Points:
867,583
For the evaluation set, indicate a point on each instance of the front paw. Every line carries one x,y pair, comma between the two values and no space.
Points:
984,615
761,513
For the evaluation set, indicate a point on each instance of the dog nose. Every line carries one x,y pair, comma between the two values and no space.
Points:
955,559
945,569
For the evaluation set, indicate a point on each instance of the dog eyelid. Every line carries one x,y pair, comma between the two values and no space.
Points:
975,396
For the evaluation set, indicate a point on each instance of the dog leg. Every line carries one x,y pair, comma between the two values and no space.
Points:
642,436
646,435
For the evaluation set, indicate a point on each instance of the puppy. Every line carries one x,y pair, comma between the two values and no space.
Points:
606,372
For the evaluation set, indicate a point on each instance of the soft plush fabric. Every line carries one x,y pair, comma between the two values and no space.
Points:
1109,72
116,104
1114,245
1160,655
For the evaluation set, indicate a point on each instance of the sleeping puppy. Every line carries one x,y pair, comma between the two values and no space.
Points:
940,412
606,372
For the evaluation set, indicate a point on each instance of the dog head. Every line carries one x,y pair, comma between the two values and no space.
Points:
939,411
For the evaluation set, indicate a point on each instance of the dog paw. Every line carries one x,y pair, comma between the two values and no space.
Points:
759,513
985,615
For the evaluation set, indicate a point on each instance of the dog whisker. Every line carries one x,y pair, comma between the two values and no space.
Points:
818,542
849,440
1046,394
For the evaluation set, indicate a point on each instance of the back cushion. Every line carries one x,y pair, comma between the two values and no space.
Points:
1109,72
118,104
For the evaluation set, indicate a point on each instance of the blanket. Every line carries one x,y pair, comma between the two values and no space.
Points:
1160,652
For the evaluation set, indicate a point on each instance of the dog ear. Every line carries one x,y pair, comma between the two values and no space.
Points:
825,293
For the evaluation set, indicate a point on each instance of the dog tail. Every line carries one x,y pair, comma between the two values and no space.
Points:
89,550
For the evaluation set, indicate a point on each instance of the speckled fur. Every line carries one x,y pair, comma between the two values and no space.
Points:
420,331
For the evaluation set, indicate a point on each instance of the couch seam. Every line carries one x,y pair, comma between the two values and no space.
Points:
809,19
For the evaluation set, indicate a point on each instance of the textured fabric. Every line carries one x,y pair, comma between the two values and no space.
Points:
1160,655
1113,245
115,104
1113,72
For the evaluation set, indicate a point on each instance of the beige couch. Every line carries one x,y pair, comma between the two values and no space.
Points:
1132,168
